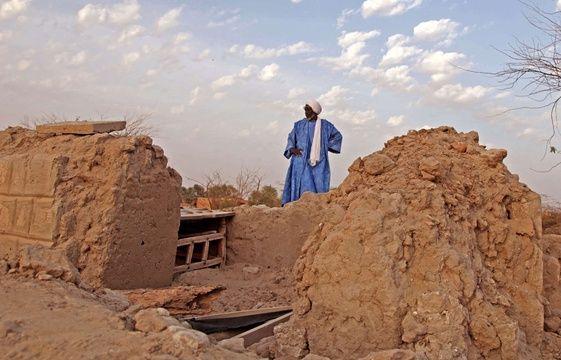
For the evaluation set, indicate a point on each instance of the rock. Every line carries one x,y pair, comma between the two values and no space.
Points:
553,324
265,348
430,168
9,327
12,271
412,329
192,339
43,276
233,344
291,342
113,299
459,146
154,320
394,354
35,259
377,164
494,156
251,270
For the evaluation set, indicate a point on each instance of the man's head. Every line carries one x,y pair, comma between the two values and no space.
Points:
312,109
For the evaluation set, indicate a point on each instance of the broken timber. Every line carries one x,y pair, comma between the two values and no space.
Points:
81,127
202,239
236,319
255,335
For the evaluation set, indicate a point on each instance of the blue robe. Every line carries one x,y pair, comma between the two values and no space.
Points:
301,176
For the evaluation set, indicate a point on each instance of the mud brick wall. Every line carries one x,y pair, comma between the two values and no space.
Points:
27,204
110,203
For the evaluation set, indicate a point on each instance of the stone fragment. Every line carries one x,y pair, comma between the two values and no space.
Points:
233,344
192,339
4,268
494,156
315,357
265,348
251,270
114,299
412,330
43,276
459,146
291,342
430,168
154,320
377,164
553,323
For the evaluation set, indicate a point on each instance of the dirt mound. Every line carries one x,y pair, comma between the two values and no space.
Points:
429,245
110,202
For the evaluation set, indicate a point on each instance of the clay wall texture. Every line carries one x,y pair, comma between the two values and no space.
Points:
110,202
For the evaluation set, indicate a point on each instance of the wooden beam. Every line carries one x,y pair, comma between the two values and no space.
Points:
205,251
242,313
199,239
190,253
254,335
81,127
197,265
187,215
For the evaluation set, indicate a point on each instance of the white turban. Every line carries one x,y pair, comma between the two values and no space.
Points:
314,104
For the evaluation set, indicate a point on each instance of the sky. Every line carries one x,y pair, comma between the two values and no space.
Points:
224,81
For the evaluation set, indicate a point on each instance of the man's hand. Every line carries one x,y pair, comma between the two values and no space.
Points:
296,152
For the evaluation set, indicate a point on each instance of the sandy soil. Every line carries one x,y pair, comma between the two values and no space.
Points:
244,290
56,320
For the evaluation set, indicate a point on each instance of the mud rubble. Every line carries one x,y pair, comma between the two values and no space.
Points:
430,247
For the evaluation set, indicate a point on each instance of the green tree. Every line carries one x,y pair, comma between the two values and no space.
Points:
268,195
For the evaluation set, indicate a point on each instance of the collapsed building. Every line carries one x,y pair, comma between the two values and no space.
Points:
429,249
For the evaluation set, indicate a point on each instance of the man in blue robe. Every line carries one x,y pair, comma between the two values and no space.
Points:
308,145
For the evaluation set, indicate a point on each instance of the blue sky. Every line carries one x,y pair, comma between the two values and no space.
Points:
224,80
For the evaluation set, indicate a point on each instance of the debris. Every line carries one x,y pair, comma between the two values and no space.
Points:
192,339
81,127
44,276
9,327
233,344
113,299
250,270
395,354
154,320
177,300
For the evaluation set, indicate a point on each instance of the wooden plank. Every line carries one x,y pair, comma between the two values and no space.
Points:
205,251
197,265
187,215
81,127
254,335
199,239
190,254
242,313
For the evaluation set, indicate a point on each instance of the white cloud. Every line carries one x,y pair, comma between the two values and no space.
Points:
351,56
459,94
527,131
130,58
335,97
195,93
224,81
120,13
398,54
12,8
349,38
397,77
558,6
219,95
169,20
255,52
296,1
295,93
395,120
229,21
131,32
181,38
203,55
388,7
444,30
24,64
345,15
355,117
269,72
440,65
247,72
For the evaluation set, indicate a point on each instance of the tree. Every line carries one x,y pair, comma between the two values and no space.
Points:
266,196
535,68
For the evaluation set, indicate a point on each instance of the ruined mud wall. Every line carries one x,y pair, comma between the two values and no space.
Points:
431,245
273,237
110,202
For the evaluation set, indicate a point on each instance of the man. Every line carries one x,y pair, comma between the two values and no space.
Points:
308,145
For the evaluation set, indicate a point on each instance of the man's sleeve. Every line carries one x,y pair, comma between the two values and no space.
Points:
291,143
335,140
